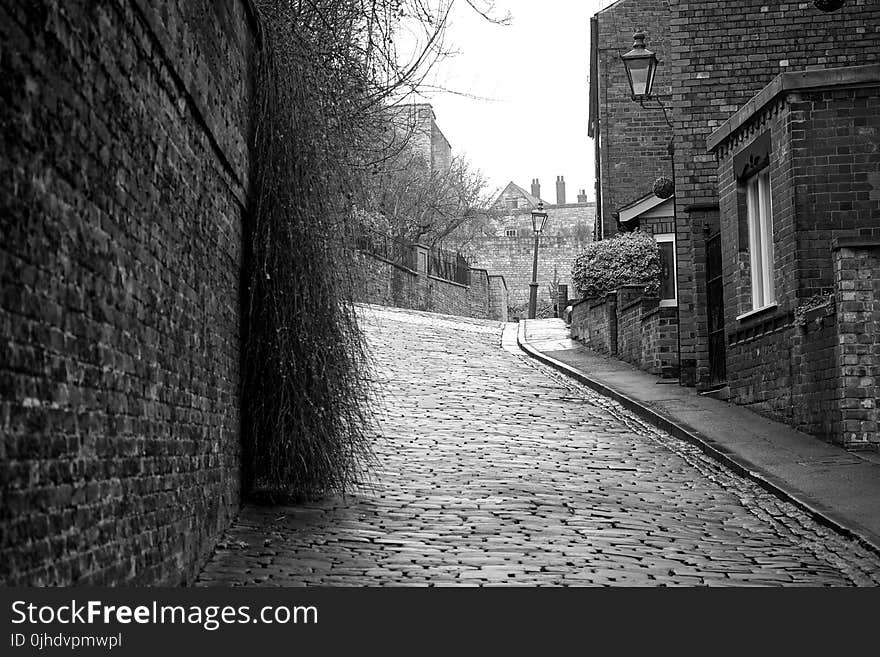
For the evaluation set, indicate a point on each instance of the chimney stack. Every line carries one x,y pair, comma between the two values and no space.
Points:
560,190
582,196
536,188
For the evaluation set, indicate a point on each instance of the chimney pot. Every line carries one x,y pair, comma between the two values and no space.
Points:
560,190
536,188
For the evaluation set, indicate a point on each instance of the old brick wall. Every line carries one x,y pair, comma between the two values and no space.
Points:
660,341
597,323
720,59
857,299
815,392
759,372
629,324
634,138
124,166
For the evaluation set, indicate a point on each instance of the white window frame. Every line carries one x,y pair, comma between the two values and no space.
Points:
670,237
510,232
759,210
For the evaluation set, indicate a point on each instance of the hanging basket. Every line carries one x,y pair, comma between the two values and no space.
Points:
663,187
829,5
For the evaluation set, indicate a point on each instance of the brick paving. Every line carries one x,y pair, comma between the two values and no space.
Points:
498,471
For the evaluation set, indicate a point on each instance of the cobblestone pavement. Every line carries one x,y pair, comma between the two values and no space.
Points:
497,471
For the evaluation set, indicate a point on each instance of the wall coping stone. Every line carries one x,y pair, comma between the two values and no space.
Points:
845,76
444,280
855,242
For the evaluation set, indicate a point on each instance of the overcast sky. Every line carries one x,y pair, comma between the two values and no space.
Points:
531,80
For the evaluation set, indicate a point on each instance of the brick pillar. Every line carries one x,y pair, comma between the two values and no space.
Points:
561,299
611,305
857,299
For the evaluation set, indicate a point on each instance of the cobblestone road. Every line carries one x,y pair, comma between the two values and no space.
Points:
496,470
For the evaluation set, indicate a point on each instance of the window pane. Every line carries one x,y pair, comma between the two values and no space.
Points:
755,248
766,235
667,270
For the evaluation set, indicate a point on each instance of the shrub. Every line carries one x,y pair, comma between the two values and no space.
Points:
626,259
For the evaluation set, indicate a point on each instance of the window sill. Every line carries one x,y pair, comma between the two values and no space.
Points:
758,311
668,303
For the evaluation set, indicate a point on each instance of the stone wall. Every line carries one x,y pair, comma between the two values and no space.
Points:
512,257
124,166
498,298
389,284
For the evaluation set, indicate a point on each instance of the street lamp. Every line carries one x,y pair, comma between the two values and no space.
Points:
641,65
539,221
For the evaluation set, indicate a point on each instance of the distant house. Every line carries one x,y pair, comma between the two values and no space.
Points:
508,248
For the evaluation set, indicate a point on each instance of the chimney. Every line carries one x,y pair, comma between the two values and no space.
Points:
560,190
582,196
536,188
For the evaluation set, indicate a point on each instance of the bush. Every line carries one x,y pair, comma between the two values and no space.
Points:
626,259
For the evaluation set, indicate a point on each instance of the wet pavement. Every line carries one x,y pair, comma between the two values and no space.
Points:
496,470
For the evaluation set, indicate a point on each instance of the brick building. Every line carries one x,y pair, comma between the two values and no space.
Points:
509,247
630,140
776,206
632,150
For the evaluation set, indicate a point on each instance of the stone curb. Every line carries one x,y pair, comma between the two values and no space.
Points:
708,446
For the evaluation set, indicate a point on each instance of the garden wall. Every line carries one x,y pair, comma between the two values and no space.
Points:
632,327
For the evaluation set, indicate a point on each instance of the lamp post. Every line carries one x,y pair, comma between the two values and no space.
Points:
641,66
539,220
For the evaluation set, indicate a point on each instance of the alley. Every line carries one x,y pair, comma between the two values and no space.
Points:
496,470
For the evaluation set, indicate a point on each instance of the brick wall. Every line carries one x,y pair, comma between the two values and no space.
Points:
124,166
857,297
632,327
815,392
660,341
634,139
720,59
629,334
594,321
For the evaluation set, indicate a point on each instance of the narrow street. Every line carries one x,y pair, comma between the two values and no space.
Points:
495,470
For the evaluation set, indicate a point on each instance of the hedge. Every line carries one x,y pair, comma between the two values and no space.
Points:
625,259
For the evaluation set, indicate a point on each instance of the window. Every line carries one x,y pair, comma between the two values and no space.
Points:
760,226
513,203
668,282
510,232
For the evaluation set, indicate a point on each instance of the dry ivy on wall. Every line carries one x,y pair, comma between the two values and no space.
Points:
306,408
327,72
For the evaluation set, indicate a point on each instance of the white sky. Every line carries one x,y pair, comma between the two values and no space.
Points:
531,77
